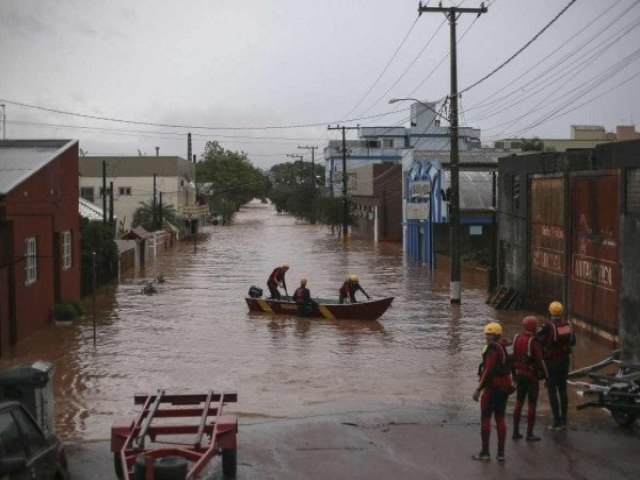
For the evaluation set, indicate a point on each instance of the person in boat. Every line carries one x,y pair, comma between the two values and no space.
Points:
276,279
302,297
349,289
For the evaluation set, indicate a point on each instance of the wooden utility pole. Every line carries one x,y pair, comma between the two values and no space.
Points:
153,207
104,192
313,163
345,205
111,203
452,14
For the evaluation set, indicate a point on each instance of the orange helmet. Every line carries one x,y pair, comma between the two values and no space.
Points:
530,323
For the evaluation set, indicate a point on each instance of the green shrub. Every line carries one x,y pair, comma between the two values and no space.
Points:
64,311
77,307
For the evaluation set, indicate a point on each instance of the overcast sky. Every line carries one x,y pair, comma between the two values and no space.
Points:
250,63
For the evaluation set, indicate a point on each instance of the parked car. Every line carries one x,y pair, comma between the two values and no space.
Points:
25,452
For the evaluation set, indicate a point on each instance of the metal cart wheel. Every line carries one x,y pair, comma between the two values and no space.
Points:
166,468
229,462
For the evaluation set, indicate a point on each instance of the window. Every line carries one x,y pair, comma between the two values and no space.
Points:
87,193
387,143
124,190
373,144
515,193
66,250
31,260
30,432
10,441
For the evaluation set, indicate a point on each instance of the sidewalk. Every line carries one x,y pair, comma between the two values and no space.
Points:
407,443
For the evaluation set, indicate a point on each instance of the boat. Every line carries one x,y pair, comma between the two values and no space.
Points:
329,309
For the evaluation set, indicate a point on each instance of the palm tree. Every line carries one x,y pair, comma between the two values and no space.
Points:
144,217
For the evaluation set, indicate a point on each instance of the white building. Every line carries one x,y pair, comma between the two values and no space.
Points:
392,144
132,179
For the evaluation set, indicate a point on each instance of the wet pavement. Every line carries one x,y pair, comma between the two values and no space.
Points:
197,333
408,443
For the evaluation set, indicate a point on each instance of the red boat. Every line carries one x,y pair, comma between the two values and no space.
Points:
370,310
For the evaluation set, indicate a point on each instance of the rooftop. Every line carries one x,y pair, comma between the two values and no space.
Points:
19,159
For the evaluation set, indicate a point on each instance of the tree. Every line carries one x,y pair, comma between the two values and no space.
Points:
97,237
231,179
532,145
296,191
144,216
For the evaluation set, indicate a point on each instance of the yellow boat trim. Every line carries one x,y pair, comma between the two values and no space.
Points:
325,312
265,305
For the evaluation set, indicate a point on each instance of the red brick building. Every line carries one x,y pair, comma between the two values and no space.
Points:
39,233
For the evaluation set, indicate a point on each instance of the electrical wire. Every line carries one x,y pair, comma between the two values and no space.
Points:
519,51
393,57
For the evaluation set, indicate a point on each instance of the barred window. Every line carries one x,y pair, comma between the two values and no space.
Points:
31,257
66,251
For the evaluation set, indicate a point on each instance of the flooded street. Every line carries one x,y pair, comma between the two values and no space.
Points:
197,333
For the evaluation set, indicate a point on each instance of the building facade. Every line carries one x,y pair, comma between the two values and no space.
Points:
569,226
133,183
39,233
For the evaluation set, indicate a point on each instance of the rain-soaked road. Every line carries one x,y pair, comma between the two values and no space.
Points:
196,333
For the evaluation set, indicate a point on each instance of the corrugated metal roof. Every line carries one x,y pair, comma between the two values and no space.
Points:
19,159
483,155
476,189
90,211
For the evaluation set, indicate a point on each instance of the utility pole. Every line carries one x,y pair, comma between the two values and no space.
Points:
4,121
111,204
345,206
188,147
313,163
160,213
452,14
104,192
153,207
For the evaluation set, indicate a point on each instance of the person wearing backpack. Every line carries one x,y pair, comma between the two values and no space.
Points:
557,339
493,389
528,368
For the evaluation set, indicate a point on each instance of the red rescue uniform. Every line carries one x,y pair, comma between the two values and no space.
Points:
528,368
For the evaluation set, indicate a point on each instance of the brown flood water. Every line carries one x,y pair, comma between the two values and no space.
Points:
197,333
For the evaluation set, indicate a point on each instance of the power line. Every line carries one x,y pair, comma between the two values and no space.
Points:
375,82
507,61
169,125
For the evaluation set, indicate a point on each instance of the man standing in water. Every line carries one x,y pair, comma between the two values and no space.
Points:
277,278
557,338
493,389
349,289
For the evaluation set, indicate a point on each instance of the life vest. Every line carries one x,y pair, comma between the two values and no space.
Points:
298,295
559,339
276,276
523,359
501,373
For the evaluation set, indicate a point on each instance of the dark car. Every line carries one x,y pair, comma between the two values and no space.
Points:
25,453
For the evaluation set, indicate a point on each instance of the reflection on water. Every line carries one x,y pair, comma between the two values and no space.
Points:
197,333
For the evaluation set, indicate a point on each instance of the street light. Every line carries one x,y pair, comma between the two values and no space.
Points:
454,200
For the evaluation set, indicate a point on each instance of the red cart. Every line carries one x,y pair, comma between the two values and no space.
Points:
161,444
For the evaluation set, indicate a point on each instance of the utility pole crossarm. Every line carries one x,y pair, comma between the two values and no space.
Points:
480,10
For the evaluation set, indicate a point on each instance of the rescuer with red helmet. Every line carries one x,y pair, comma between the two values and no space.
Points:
557,339
493,389
349,289
277,278
528,368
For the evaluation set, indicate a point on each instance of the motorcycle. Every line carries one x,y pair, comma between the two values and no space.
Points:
619,392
